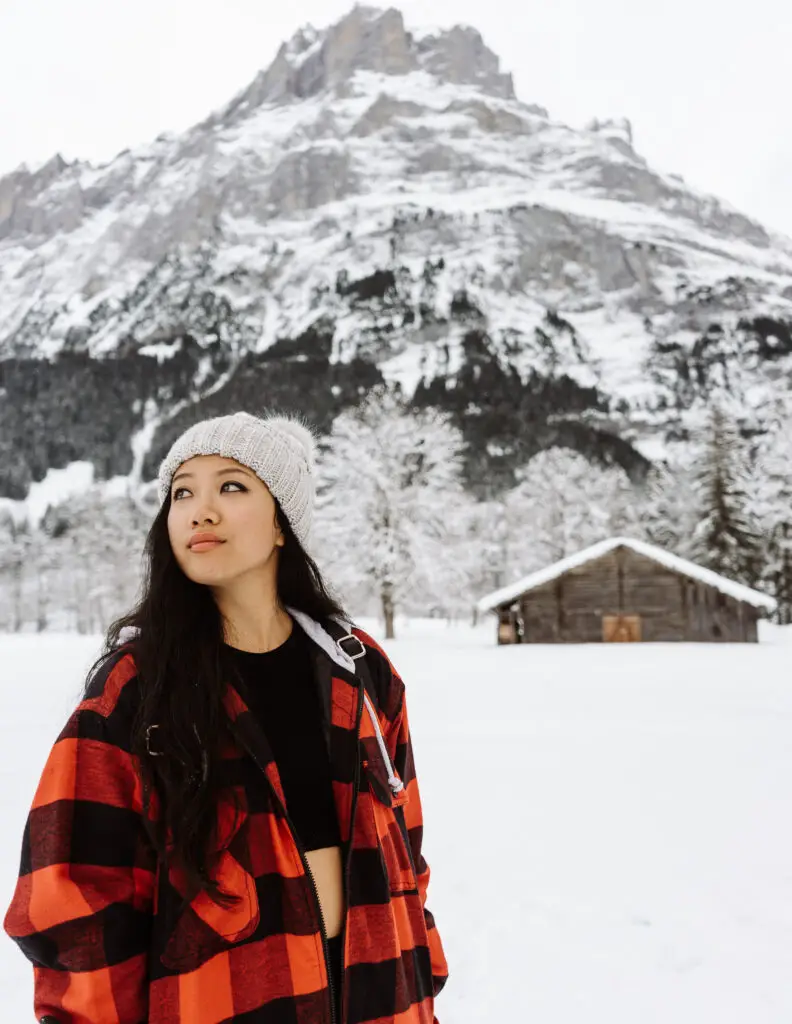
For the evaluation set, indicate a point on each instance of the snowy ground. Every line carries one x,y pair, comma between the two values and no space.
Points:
609,828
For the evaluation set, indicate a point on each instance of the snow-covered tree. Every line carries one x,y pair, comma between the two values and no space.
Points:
774,463
392,515
85,575
667,508
561,504
726,537
15,544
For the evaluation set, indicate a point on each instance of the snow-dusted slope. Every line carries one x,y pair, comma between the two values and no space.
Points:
378,203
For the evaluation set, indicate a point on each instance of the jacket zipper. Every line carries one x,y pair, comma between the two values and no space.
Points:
322,929
309,874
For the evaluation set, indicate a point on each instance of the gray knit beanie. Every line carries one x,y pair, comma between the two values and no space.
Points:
280,450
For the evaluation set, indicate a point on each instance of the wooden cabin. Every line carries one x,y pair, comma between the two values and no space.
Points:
625,590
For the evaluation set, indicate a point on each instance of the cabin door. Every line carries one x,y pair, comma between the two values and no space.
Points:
510,627
621,628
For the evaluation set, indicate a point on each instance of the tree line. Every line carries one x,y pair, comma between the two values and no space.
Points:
396,531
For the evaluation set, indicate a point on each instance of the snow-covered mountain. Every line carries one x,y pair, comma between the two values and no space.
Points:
378,204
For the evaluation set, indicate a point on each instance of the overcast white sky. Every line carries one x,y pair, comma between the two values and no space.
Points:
705,83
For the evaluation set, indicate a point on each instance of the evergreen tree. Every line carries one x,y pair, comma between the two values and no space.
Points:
726,537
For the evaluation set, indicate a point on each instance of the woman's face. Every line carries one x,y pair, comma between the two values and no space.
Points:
212,494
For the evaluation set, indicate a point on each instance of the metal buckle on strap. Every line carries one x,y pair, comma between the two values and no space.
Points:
351,636
153,753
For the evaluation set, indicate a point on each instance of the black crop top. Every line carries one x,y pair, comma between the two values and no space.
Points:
279,688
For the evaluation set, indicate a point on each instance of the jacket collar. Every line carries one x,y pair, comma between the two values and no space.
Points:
322,638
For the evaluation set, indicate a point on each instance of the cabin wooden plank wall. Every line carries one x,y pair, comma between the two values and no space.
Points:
669,606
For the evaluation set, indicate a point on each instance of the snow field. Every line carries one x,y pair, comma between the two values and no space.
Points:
608,827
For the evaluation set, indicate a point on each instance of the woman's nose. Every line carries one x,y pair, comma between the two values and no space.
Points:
209,517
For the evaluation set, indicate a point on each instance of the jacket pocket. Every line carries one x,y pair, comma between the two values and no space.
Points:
205,928
387,809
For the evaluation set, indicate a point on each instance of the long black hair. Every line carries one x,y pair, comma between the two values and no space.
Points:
181,675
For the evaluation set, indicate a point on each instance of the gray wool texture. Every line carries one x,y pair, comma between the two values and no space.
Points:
280,450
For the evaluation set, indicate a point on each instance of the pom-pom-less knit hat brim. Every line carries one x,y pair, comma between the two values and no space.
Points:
280,450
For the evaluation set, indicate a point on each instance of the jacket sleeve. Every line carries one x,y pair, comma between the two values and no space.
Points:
82,907
401,751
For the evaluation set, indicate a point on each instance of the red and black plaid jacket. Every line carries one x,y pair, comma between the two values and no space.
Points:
99,917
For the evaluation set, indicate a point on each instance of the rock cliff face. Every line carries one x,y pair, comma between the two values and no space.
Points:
379,205
372,40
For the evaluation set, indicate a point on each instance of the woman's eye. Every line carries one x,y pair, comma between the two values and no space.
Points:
234,483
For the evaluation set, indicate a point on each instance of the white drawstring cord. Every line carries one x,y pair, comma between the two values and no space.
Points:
395,783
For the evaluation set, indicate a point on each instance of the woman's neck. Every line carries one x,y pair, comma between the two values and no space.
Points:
259,635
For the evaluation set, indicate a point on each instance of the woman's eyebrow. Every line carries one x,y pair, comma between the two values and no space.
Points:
220,472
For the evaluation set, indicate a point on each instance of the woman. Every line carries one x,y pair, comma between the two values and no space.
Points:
229,826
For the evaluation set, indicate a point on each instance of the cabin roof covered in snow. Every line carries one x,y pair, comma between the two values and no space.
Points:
673,562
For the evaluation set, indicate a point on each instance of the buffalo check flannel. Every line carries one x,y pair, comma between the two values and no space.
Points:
103,923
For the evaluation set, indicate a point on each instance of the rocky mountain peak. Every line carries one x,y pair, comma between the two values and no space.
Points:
617,130
372,39
20,192
460,56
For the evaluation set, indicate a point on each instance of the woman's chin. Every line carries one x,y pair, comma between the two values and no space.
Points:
207,575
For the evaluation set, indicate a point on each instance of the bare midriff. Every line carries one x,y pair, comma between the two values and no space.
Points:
325,865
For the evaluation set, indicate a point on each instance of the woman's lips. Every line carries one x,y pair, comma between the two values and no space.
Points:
205,545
